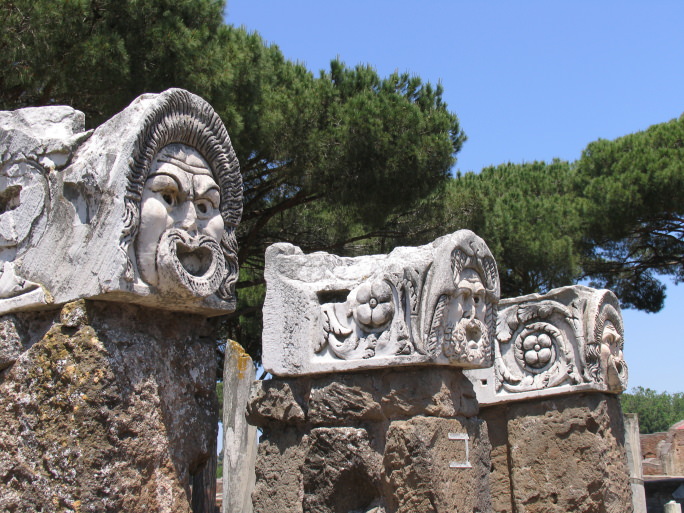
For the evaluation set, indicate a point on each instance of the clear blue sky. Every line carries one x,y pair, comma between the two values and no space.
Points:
529,80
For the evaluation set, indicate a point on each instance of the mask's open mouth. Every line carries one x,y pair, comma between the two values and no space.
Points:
473,331
195,260
189,266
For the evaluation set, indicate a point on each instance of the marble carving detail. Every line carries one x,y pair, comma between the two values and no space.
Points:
535,347
604,360
383,316
144,208
572,336
432,304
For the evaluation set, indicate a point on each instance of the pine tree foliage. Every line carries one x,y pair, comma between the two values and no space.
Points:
97,55
530,219
634,190
350,162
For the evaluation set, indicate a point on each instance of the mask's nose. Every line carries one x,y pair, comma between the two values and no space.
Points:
187,218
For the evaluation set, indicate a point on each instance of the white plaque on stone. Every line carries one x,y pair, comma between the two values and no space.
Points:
434,304
568,340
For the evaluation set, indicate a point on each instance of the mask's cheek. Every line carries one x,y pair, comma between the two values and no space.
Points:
154,221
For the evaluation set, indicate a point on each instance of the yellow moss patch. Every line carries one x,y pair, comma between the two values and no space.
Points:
242,359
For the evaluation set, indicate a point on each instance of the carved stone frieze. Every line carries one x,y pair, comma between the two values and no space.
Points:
433,304
567,340
143,209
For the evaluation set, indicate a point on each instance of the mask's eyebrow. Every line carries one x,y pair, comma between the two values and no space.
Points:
170,175
205,187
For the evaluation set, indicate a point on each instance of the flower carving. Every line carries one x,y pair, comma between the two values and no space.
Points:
537,350
374,308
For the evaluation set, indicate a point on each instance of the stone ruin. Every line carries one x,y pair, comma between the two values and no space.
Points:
117,245
404,384
401,382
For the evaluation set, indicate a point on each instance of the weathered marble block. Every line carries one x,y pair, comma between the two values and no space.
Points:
142,209
434,304
569,340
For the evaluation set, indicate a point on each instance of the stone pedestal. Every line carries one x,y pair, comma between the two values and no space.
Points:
634,460
383,441
561,454
239,438
109,408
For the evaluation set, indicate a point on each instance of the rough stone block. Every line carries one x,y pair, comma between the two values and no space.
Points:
398,467
374,441
433,304
429,469
362,397
567,454
114,414
341,472
279,466
273,401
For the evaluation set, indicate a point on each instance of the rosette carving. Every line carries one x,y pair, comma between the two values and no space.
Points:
369,323
538,346
440,308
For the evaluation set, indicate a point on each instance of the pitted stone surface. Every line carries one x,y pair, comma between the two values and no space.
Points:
116,414
417,463
335,403
371,396
561,454
374,441
341,472
19,331
279,479
428,305
399,466
10,341
274,401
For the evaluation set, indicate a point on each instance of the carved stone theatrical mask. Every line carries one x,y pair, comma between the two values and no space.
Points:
178,244
466,330
143,209
604,359
464,317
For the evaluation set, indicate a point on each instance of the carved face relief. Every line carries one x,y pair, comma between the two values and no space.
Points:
469,302
178,243
467,334
612,360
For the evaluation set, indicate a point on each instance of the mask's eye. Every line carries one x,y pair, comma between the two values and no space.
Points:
204,208
165,188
